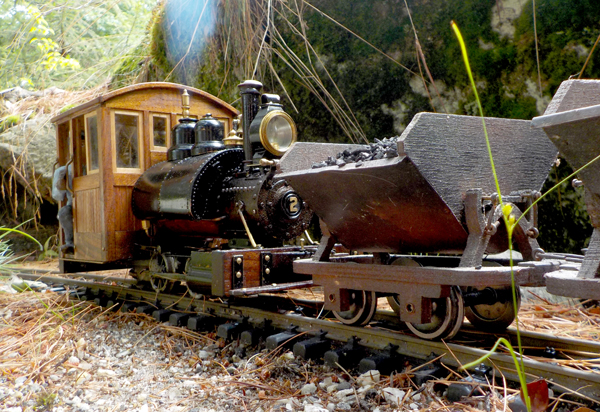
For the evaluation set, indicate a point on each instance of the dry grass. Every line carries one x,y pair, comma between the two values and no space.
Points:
39,332
576,322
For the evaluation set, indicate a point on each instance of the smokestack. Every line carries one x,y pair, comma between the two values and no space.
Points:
250,91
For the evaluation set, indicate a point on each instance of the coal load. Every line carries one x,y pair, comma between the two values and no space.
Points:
379,150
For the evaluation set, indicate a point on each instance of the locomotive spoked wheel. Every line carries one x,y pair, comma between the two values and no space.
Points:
446,318
162,264
362,308
495,317
159,284
393,300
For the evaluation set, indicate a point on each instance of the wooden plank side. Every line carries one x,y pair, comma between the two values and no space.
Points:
123,245
88,247
126,179
124,219
108,183
87,211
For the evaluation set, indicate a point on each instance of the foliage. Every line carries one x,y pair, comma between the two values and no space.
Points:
6,255
569,229
67,43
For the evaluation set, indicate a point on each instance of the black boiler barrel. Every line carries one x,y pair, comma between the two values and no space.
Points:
189,188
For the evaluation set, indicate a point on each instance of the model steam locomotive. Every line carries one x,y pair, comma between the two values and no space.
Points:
210,205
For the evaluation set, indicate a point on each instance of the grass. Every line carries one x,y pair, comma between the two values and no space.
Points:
509,222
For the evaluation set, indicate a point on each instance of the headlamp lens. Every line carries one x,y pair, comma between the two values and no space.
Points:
278,132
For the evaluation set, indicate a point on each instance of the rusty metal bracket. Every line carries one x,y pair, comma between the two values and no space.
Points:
237,271
266,268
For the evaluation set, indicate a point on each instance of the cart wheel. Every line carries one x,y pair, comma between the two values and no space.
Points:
446,318
362,308
496,317
394,300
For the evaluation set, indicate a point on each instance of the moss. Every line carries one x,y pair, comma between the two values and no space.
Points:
9,121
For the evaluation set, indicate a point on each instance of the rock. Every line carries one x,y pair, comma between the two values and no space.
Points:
326,382
73,360
85,366
346,392
343,385
308,389
84,377
20,381
413,406
314,408
106,372
369,378
287,356
394,395
205,355
35,142
331,388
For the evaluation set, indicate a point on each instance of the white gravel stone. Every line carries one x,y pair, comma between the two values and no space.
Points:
84,377
287,356
344,393
106,372
414,406
308,389
85,366
393,395
20,381
369,378
326,382
73,360
314,408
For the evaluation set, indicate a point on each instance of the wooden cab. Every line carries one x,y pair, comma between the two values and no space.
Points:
109,142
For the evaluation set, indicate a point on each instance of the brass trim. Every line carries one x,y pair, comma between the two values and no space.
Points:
263,131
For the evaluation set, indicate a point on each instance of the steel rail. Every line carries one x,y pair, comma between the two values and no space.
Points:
565,379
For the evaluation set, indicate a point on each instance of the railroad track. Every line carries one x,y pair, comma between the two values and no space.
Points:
381,337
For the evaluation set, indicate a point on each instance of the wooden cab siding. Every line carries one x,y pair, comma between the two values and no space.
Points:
104,225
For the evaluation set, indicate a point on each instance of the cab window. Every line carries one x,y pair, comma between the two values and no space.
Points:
160,131
127,147
91,143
